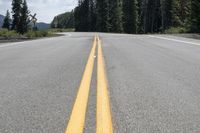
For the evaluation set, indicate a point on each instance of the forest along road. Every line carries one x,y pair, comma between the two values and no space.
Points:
103,83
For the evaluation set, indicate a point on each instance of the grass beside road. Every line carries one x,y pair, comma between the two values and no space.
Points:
61,30
176,30
39,33
5,34
11,35
182,32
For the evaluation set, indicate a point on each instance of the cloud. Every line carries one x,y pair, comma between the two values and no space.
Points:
45,9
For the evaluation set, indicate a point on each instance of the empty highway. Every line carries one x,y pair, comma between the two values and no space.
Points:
103,83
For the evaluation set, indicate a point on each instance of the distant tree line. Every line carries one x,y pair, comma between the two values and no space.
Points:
20,17
137,16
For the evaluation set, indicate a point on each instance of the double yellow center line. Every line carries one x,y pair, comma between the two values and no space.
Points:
103,114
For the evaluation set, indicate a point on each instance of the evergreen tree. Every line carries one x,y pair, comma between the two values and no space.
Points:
170,16
82,16
92,15
103,23
85,15
136,16
24,18
152,16
141,16
16,10
69,22
130,16
166,14
6,23
195,16
184,11
115,16
76,18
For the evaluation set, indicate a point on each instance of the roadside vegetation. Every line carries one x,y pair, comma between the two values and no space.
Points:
31,34
6,34
176,30
12,34
56,30
21,24
138,16
116,16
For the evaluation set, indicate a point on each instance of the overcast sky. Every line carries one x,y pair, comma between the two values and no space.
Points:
45,9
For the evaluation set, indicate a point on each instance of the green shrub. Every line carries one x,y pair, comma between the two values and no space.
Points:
35,34
61,30
8,33
176,30
3,32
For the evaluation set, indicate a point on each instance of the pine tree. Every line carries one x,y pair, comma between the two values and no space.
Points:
16,10
92,15
6,23
184,11
170,14
82,16
24,18
77,17
195,16
130,16
141,16
69,21
85,15
166,14
103,24
115,16
136,16
152,19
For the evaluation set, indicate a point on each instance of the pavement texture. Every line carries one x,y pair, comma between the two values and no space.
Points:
154,83
39,81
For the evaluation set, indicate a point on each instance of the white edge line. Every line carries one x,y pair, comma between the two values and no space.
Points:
170,39
24,42
7,45
69,34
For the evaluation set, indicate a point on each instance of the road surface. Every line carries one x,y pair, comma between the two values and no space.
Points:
145,83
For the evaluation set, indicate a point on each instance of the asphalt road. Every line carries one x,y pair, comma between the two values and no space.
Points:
154,83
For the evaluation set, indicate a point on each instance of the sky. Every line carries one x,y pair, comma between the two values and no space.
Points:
45,9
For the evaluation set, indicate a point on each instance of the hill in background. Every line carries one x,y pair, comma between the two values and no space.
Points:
42,25
65,20
1,20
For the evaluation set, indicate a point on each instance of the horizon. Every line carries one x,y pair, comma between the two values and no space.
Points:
46,10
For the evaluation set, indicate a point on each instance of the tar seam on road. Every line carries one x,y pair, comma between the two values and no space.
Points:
103,112
77,119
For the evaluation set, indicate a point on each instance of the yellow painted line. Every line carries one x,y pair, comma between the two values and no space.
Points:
103,113
77,119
